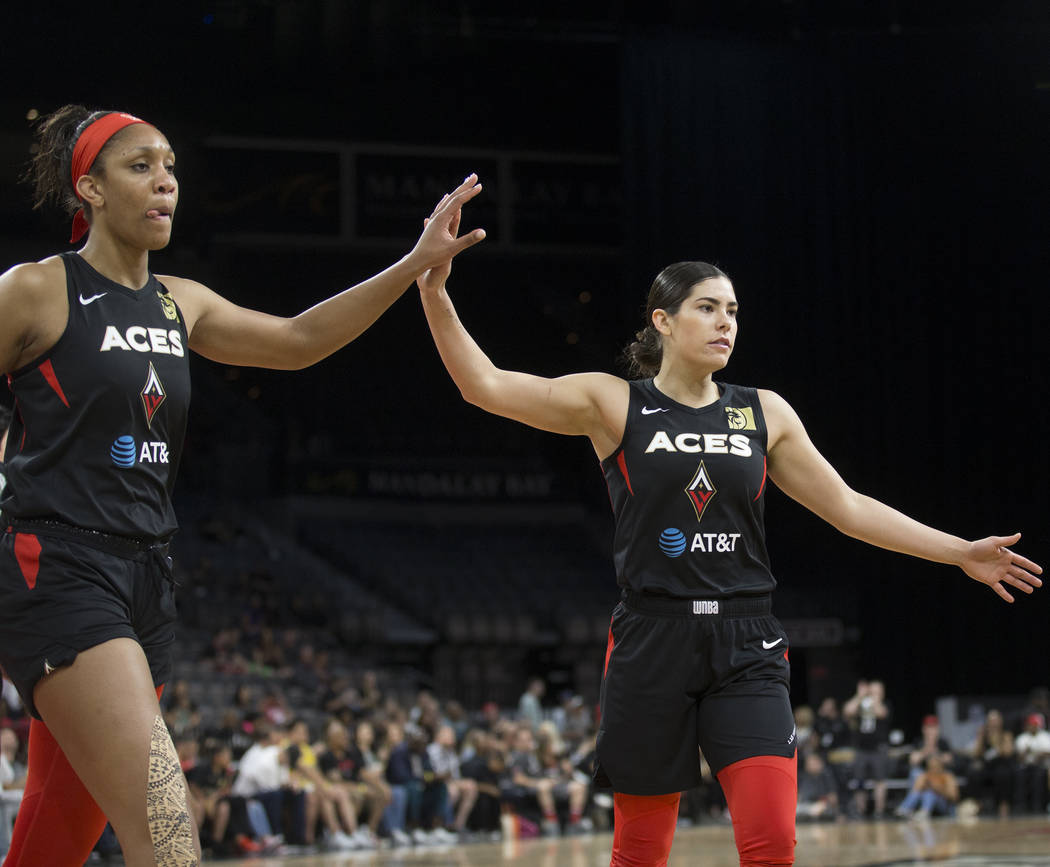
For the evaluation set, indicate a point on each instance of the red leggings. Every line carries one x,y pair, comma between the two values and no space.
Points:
761,793
58,821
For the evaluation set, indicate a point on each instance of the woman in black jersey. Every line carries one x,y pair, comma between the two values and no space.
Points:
695,656
95,348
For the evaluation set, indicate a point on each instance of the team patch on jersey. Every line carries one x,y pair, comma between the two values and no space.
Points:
152,394
168,306
700,491
742,418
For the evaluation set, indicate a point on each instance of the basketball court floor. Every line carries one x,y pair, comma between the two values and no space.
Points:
978,843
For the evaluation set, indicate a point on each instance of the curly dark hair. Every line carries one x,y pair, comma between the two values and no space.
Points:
49,170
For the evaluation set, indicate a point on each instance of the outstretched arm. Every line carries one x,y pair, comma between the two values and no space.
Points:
225,332
585,404
803,474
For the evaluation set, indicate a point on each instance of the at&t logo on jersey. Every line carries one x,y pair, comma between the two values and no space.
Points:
673,542
125,452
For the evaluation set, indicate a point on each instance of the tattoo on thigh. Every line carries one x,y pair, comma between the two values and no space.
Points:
169,819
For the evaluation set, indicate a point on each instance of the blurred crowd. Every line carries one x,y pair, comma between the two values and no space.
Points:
368,768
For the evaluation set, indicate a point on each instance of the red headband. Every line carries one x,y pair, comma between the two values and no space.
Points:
89,143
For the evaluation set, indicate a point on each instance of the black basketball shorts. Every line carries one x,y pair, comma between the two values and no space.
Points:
684,676
64,590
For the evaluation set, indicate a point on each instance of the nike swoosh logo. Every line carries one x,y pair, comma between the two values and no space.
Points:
647,411
86,301
769,645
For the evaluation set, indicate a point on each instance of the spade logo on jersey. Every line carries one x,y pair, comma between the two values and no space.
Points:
742,418
152,394
168,306
700,491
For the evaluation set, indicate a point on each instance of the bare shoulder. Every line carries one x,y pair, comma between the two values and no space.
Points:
608,393
33,310
605,385
184,289
611,396
35,279
781,418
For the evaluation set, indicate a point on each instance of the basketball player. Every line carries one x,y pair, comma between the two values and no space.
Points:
95,348
695,656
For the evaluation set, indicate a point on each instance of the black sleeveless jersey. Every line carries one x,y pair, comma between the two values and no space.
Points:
687,490
100,418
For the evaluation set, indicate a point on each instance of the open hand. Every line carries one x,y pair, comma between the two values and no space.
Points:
440,240
991,562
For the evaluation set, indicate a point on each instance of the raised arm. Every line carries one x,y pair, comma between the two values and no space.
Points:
803,474
225,332
584,404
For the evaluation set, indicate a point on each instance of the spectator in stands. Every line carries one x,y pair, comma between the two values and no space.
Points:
1038,702
235,731
869,715
527,786
490,716
371,774
934,792
456,717
262,774
485,764
209,783
569,788
831,729
1032,748
817,789
426,713
529,708
426,810
992,765
182,717
330,801
371,696
929,743
461,791
12,782
340,695
406,784
341,764
274,707
805,720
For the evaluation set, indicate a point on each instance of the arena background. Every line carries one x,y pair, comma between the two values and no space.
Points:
871,175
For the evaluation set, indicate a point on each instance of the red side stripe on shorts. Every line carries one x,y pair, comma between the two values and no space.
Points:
608,651
621,462
761,487
52,380
27,552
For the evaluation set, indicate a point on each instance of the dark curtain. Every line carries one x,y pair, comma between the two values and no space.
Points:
880,204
